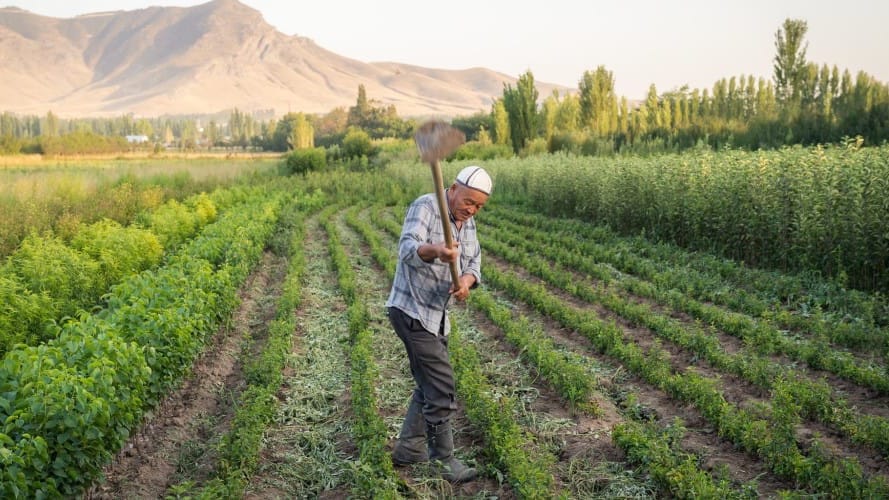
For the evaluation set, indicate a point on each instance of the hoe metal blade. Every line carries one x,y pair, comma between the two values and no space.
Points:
436,140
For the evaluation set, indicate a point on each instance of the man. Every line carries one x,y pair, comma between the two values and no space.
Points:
417,308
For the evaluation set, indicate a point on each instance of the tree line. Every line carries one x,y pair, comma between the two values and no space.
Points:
803,103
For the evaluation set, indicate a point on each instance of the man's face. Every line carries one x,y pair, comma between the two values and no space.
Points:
465,202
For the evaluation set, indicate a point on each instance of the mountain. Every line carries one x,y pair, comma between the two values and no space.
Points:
208,58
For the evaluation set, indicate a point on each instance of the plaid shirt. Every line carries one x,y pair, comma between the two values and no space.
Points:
420,288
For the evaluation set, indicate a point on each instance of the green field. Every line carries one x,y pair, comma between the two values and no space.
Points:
706,325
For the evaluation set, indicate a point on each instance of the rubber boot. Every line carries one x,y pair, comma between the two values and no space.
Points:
441,451
410,448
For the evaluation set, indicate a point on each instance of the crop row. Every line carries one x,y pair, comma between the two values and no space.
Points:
767,432
761,335
240,446
68,405
821,402
48,279
818,307
376,477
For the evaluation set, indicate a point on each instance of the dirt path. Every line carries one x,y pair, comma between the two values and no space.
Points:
308,451
176,442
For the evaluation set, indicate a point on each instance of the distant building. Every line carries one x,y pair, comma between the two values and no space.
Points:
137,139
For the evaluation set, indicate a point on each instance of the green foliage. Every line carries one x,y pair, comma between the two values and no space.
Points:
119,251
81,142
520,104
770,434
377,120
46,265
473,124
173,223
478,151
303,161
505,441
676,471
375,473
598,102
23,314
535,147
795,209
790,60
357,144
204,208
66,406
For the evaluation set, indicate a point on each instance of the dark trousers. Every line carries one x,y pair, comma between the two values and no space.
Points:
430,366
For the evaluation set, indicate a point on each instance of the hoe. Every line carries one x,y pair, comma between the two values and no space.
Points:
436,140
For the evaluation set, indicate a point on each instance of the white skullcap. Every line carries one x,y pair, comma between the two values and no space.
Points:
476,178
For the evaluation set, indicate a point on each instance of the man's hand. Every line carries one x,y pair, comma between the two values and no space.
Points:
460,290
440,251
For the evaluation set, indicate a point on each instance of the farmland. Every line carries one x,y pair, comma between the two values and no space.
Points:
624,342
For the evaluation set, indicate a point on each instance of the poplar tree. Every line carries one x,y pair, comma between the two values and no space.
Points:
501,122
598,102
568,115
549,114
790,60
651,110
521,106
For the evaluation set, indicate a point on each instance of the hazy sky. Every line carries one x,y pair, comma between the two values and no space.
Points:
668,43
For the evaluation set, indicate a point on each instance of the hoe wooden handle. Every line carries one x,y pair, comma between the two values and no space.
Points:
445,220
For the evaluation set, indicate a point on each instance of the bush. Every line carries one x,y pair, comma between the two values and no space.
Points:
204,208
46,265
478,151
535,147
173,223
569,142
120,251
357,144
303,161
22,314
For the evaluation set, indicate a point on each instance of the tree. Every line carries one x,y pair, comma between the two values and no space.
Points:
549,113
501,122
359,114
334,122
598,101
302,136
790,60
212,133
283,137
471,125
168,134
652,104
50,126
568,114
521,106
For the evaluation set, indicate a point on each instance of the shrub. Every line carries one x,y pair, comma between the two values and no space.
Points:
357,144
46,265
172,223
303,161
120,251
204,208
22,314
477,151
534,147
